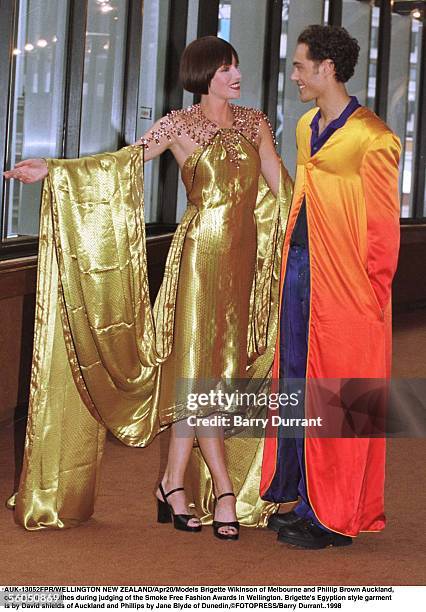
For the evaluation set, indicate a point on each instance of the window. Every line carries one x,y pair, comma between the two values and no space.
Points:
188,98
362,21
405,104
151,101
236,21
67,92
412,133
36,109
103,80
372,57
296,16
224,26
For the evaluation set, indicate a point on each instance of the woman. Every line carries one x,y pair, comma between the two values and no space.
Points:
215,316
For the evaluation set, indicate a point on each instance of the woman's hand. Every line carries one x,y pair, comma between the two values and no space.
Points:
28,171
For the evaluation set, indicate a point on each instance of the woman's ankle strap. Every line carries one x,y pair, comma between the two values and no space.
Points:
225,494
174,491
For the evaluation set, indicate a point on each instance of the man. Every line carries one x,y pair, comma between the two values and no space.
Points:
339,258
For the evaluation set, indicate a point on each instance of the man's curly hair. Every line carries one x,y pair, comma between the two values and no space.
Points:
333,43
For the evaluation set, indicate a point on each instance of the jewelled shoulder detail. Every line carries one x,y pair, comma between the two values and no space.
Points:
188,122
247,121
192,123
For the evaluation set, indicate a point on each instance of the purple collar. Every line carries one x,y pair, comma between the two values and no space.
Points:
318,141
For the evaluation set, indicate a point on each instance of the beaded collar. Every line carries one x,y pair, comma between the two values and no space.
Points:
193,123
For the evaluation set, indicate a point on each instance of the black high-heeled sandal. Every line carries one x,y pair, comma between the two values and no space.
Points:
218,524
165,513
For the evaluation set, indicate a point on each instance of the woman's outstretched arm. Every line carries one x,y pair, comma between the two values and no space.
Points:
156,141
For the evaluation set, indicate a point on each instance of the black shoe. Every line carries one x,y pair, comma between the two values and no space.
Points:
276,521
165,513
218,524
305,534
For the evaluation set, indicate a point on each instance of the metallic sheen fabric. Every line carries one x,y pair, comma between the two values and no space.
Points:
352,204
103,358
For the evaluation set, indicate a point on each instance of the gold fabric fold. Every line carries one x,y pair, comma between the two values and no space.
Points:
115,342
64,443
104,359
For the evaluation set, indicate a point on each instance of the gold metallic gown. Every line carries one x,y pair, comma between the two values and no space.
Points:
103,359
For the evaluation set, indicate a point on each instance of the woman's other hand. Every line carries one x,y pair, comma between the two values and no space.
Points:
28,171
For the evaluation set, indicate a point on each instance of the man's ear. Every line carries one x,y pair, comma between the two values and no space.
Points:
328,67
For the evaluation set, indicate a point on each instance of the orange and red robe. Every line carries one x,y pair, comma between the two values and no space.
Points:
352,206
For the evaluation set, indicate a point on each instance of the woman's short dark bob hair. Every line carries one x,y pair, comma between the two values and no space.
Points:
201,59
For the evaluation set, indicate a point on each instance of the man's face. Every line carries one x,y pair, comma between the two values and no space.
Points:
308,74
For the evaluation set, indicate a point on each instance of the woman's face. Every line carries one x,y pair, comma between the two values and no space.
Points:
225,83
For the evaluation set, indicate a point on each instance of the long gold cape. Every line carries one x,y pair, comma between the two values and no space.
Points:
99,347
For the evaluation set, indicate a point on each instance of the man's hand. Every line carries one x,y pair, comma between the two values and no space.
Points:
28,171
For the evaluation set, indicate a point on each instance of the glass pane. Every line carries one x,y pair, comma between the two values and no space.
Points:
236,20
282,76
36,104
151,90
357,19
326,11
102,104
372,57
191,34
412,116
398,95
188,98
296,16
224,24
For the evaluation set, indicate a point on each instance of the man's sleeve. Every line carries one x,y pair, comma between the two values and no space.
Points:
379,174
